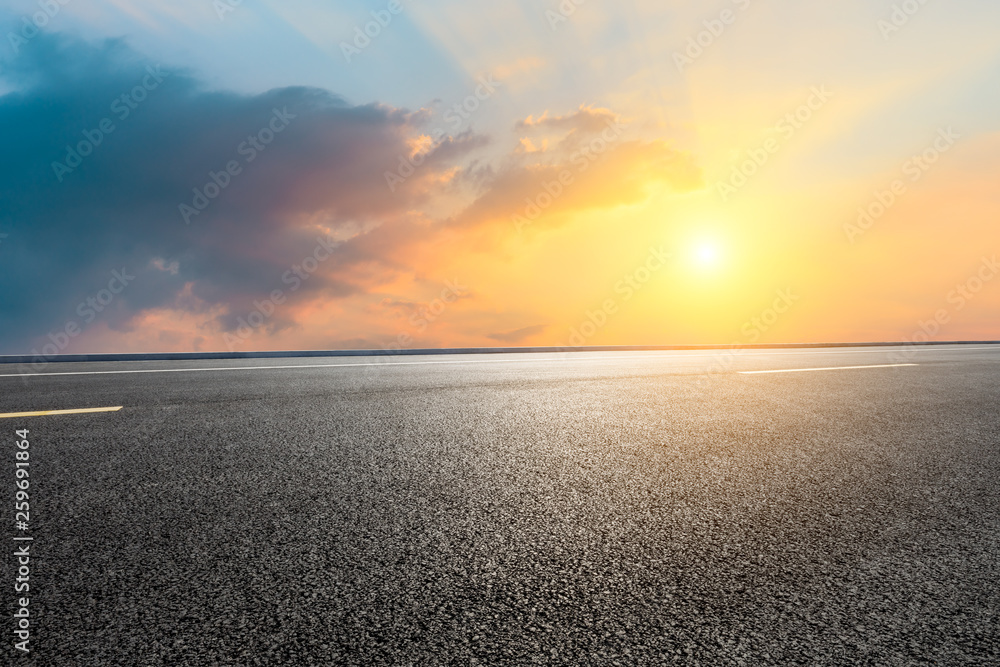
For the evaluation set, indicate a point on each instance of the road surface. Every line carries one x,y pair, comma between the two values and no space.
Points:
580,509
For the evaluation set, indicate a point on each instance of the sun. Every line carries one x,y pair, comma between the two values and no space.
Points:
706,254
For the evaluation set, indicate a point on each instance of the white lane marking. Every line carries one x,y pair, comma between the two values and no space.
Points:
44,413
678,354
832,368
358,365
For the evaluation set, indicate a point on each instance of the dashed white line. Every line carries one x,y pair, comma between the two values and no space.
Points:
678,354
831,368
357,365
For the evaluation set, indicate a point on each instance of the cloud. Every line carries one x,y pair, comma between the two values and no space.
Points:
213,200
157,141
584,119
617,173
590,162
517,335
402,307
450,148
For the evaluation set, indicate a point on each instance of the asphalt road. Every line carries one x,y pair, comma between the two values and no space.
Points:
589,509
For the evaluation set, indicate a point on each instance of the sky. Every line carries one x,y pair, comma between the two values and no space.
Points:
217,175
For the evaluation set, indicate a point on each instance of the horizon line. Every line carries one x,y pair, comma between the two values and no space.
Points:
282,354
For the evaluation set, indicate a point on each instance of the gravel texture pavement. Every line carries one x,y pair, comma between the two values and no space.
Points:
592,509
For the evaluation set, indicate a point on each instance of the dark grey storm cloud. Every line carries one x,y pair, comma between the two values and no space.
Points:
114,163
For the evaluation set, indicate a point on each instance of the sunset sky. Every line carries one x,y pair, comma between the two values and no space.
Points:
196,176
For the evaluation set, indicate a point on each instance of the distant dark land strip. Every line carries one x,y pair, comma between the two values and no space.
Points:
284,354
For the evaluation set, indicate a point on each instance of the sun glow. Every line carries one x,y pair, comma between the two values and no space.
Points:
706,254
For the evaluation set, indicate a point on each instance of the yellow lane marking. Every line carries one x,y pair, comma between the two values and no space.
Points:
44,413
